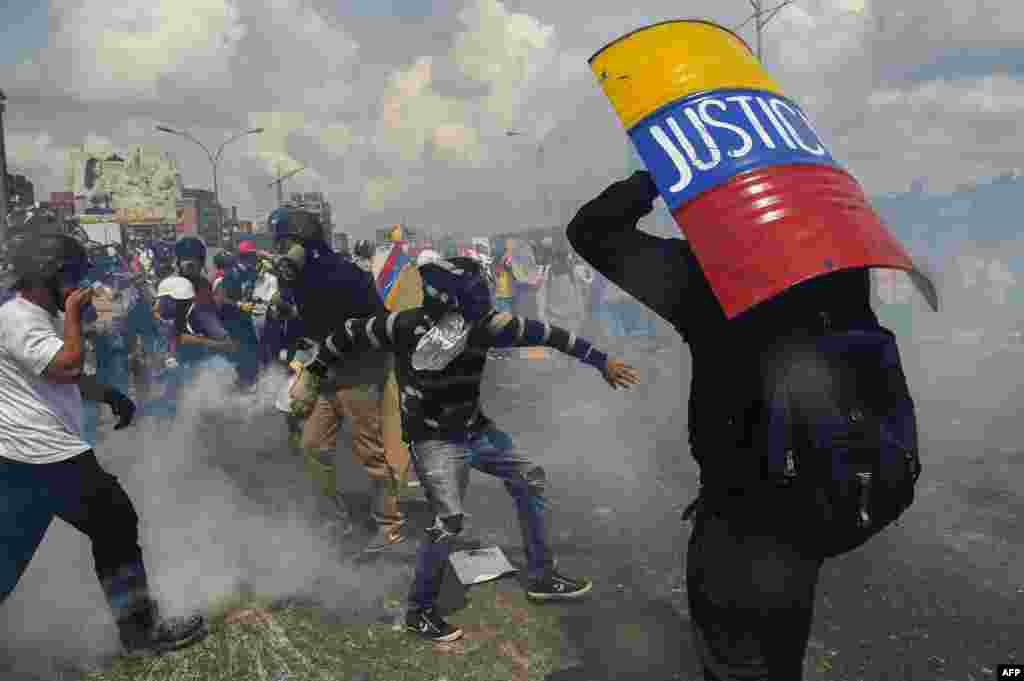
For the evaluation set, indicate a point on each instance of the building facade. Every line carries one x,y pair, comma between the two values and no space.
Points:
200,207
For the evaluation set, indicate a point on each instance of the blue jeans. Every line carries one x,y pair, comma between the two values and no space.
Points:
442,467
89,499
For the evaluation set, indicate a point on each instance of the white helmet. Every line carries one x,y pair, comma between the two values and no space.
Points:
427,255
178,288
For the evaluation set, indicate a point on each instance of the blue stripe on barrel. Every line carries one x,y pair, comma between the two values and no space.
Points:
700,142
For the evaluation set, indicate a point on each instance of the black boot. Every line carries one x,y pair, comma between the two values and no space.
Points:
144,634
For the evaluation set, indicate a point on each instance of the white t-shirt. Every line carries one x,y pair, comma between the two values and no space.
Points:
40,421
264,290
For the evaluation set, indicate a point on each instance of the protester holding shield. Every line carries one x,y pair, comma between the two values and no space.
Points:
774,268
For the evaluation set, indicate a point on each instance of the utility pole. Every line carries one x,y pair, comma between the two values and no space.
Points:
3,173
280,183
761,17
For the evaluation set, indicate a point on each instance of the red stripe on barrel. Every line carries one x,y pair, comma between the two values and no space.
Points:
768,229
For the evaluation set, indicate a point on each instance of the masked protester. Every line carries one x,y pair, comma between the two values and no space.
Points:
751,574
199,329
47,468
441,350
233,295
326,288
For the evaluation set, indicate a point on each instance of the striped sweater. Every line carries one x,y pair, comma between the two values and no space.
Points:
446,404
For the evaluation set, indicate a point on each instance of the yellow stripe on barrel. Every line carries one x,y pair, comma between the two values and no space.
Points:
663,63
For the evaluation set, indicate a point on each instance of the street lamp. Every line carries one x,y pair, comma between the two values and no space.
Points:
761,17
214,160
3,172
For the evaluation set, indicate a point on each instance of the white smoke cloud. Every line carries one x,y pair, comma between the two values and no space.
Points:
120,51
223,504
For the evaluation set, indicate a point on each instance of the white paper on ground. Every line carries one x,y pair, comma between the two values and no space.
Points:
477,566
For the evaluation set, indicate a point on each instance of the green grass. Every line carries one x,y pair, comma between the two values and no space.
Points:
506,638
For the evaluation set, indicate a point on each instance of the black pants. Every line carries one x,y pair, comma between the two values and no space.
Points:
751,597
91,500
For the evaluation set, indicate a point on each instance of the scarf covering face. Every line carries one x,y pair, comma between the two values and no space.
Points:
439,346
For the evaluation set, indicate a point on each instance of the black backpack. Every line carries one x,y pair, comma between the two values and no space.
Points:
838,432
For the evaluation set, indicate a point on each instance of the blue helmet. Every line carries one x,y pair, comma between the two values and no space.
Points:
459,285
297,224
190,248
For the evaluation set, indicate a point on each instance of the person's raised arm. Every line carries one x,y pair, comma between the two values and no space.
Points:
66,365
604,232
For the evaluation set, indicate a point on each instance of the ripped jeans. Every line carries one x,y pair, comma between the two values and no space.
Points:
442,467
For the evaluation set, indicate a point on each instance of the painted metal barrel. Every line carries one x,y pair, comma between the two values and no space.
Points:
752,186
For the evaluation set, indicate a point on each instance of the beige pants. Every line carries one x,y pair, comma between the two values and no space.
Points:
407,295
363,404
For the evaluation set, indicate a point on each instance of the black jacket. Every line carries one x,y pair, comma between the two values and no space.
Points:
665,276
330,289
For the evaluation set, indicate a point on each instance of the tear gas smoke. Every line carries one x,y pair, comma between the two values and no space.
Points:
224,506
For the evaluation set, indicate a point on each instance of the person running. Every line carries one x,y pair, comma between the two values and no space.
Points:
47,468
449,434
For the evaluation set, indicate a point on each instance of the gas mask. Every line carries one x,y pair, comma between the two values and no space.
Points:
288,266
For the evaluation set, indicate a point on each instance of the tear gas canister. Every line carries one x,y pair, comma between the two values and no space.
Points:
747,178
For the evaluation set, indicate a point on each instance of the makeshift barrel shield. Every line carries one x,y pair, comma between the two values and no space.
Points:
747,179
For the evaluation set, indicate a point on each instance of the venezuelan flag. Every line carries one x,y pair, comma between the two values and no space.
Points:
397,260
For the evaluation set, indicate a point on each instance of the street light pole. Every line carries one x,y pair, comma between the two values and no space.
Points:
214,160
3,172
761,17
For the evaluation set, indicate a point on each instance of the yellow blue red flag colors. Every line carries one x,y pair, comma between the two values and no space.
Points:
749,181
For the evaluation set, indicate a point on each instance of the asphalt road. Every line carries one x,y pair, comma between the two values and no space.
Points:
934,598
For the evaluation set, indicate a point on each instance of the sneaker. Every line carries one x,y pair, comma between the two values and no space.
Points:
429,625
558,587
173,633
385,538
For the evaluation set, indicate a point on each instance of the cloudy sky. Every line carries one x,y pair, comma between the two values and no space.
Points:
400,108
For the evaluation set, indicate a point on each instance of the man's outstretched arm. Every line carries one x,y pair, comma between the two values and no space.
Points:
504,330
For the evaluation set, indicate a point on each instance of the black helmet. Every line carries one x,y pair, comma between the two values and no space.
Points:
457,284
190,248
39,259
297,224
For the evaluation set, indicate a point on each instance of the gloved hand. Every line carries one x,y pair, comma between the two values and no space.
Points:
634,195
121,405
247,307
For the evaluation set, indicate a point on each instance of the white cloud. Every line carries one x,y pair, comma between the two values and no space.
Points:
121,50
392,134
